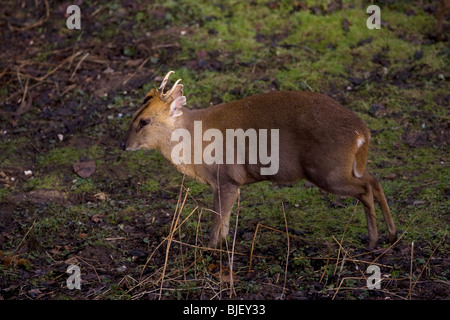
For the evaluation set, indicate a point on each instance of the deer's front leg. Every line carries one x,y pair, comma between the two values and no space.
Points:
224,198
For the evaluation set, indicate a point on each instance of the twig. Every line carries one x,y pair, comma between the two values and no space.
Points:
253,245
78,65
220,227
218,294
24,237
90,265
24,104
196,241
164,240
254,239
174,227
39,79
72,86
343,234
179,197
426,264
411,270
399,238
232,247
97,11
13,95
3,72
287,253
349,259
171,226
135,72
176,218
340,284
342,265
115,238
213,249
150,258
326,266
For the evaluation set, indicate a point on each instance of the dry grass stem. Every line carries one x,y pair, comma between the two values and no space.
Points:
287,253
343,234
411,270
233,246
173,228
78,65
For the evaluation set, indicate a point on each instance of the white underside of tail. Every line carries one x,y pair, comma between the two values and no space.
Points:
359,143
357,174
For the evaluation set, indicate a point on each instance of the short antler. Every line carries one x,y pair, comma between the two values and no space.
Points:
164,82
169,93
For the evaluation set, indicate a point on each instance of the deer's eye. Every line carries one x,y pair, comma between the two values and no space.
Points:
144,122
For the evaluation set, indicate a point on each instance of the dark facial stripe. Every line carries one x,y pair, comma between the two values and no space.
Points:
142,107
147,99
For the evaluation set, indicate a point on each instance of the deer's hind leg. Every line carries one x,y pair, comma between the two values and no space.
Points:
379,197
358,188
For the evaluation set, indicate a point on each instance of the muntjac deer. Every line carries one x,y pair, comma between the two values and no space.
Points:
312,137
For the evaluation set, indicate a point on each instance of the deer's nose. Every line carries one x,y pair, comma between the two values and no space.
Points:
123,145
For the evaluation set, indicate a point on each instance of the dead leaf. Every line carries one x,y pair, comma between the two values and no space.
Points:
84,168
97,217
72,260
299,5
24,106
273,5
101,196
133,63
23,262
56,250
223,274
34,292
15,260
82,235
391,176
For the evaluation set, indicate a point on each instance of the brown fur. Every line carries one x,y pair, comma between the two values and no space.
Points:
317,141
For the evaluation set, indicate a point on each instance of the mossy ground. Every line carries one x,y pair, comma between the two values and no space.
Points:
396,79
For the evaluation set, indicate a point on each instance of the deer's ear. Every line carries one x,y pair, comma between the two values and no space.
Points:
175,106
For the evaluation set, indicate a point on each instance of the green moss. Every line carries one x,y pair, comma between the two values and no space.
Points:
67,155
10,150
4,194
80,185
52,180
150,186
